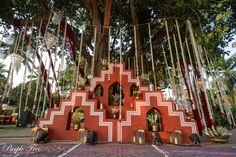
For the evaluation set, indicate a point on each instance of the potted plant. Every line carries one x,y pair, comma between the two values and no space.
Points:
153,121
77,117
137,94
81,83
115,112
104,64
116,99
145,78
218,134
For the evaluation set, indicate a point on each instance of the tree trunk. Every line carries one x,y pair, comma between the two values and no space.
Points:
138,36
101,43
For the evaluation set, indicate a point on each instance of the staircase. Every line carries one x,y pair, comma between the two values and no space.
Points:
111,130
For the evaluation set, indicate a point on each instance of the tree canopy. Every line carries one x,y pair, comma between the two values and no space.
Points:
213,21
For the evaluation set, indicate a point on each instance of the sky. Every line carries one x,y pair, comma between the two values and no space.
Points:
231,49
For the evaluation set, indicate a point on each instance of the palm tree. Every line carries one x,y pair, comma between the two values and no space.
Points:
2,70
2,77
230,79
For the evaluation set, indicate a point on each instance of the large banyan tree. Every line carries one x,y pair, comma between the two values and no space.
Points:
213,20
99,29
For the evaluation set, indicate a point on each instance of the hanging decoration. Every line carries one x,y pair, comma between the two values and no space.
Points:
16,59
198,107
50,40
9,82
200,70
56,19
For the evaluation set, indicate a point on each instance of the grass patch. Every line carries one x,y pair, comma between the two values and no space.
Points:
10,127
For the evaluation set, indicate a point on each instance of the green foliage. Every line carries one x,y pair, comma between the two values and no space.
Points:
220,119
114,110
137,93
234,111
104,63
2,71
218,133
160,75
79,109
146,77
78,115
212,21
15,96
116,98
214,18
153,119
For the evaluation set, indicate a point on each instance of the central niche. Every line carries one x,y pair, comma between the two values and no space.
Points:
114,94
154,120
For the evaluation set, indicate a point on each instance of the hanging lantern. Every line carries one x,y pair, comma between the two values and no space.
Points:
50,40
234,45
29,51
56,19
16,59
10,40
2,55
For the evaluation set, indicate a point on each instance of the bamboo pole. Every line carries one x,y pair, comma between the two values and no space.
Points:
94,51
136,51
179,74
152,58
40,62
80,53
196,94
199,65
120,113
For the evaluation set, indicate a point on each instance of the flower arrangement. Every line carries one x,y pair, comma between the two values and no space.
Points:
137,94
153,120
116,98
104,63
81,83
218,134
115,112
77,117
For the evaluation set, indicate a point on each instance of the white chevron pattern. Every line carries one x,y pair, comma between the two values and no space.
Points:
123,71
84,103
171,112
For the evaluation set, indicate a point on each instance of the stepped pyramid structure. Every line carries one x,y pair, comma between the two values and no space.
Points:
133,111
